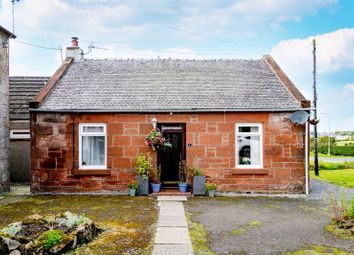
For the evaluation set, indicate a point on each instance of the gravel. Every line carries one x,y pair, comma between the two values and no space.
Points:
320,190
280,225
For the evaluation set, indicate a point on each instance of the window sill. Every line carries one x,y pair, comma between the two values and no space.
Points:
91,172
250,171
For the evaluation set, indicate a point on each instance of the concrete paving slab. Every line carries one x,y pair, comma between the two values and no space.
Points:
172,221
171,198
172,235
171,211
178,249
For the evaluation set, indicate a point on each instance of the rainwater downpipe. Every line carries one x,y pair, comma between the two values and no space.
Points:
307,158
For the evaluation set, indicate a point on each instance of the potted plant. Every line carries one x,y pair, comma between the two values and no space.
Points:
155,179
133,185
183,175
198,182
143,167
156,140
210,188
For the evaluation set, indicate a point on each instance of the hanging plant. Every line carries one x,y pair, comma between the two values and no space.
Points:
156,140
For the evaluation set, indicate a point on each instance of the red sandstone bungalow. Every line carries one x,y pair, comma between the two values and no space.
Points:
90,121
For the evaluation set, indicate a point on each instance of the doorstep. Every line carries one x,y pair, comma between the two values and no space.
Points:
171,192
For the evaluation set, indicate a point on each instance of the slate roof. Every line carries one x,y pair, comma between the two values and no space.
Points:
166,85
23,89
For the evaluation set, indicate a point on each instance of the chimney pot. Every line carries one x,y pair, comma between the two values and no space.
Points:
74,41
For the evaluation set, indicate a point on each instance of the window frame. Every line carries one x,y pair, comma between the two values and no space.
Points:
259,133
81,134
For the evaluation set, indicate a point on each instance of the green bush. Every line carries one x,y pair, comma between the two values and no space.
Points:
51,238
337,150
332,166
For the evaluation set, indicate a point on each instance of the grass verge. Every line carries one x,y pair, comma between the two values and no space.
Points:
344,177
129,221
199,237
319,250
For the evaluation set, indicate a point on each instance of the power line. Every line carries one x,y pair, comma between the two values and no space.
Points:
189,32
38,46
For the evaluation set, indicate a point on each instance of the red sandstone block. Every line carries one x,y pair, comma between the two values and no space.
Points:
122,140
225,151
196,127
211,117
49,163
115,129
131,151
121,163
115,151
130,118
52,117
212,127
71,183
91,184
282,173
138,140
58,175
131,131
226,128
97,118
297,150
296,173
246,117
273,150
110,187
44,129
286,139
144,129
131,125
210,139
210,151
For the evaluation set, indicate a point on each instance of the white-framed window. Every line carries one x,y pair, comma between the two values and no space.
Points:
92,146
249,145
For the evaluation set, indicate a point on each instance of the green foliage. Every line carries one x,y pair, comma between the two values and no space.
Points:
351,211
157,141
338,208
332,166
143,165
51,238
133,184
337,150
210,186
319,250
71,220
11,230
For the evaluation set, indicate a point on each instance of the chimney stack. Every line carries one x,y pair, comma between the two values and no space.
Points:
75,51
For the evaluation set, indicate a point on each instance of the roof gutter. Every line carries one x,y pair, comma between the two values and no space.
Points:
164,110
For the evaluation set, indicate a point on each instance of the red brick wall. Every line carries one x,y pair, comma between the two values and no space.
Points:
212,135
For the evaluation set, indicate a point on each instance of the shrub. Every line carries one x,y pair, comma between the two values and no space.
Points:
143,165
338,208
51,238
351,213
333,166
210,186
337,150
133,184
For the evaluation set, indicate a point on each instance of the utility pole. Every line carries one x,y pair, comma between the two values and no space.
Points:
13,15
315,108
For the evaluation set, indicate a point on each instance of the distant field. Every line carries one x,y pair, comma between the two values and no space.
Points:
344,143
330,156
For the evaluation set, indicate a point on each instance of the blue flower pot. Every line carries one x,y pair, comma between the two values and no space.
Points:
156,187
183,187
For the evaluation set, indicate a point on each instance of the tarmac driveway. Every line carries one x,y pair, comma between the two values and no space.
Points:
263,225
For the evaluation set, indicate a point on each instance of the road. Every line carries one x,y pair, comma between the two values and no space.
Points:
334,160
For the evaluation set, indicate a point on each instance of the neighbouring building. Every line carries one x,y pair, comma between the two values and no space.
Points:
5,35
23,89
231,116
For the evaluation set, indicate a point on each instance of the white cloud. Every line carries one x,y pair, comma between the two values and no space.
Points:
335,51
349,86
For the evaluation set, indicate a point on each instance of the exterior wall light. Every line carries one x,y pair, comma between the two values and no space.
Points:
154,122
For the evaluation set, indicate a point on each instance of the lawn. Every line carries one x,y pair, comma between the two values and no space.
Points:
129,221
342,177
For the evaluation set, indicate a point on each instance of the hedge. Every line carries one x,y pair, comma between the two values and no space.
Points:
337,150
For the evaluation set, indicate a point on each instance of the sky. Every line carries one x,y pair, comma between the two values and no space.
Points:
198,29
